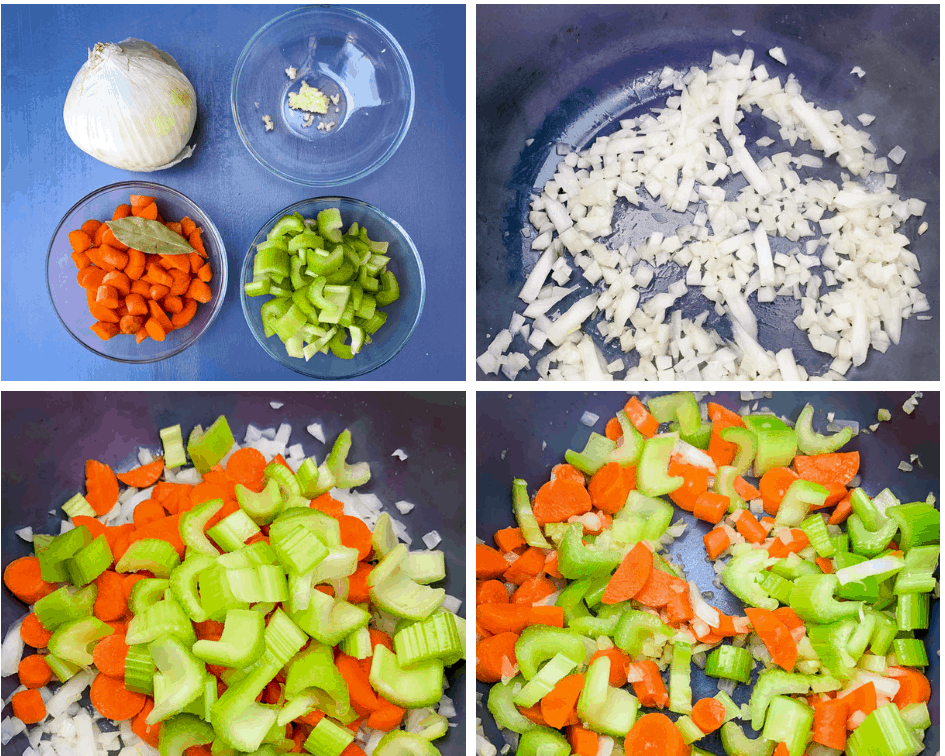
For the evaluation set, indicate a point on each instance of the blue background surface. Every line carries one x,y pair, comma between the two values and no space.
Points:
43,174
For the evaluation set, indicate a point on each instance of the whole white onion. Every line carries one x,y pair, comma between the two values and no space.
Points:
132,107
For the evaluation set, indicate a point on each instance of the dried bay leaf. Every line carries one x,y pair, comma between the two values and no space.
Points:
149,236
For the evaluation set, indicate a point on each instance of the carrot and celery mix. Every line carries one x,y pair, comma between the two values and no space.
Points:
581,624
137,292
241,611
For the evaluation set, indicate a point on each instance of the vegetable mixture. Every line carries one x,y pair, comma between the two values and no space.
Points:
241,611
577,603
143,276
322,300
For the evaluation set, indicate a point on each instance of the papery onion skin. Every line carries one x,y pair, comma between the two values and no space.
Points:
132,107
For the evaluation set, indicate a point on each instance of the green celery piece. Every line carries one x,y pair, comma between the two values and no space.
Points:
410,688
725,485
860,577
383,539
64,605
139,670
630,445
328,738
434,726
73,641
577,560
742,575
346,476
207,448
322,525
681,406
183,672
152,554
67,545
680,686
262,582
90,562
51,570
635,627
329,224
539,643
776,443
747,447
916,575
340,562
916,715
792,567
283,638
506,713
736,743
436,637
867,542
299,550
797,502
542,742
815,528
425,567
315,479
689,730
732,709
402,597
62,669
165,618
182,731
910,652
918,522
388,566
860,637
595,455
192,524
525,517
231,532
261,507
884,632
811,442
183,584
830,642
254,554
287,225
78,505
604,708
653,478
553,671
357,644
146,592
867,511
328,619
300,590
884,731
240,644
315,668
771,683
655,514
812,599
173,442
731,663
912,611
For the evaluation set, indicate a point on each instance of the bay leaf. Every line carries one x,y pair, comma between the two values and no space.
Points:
149,236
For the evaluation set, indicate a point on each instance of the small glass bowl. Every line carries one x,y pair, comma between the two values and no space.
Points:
69,299
354,61
402,315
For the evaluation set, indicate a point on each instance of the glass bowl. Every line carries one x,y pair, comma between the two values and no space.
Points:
403,315
69,299
354,61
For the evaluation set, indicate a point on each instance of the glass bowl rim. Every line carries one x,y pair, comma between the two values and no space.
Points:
214,232
341,181
244,300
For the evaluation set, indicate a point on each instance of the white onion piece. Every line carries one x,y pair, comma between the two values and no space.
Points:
11,652
571,321
536,278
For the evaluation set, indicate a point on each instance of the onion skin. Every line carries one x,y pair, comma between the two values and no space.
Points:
108,113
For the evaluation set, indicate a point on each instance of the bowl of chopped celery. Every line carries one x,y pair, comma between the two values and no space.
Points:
847,458
332,287
322,95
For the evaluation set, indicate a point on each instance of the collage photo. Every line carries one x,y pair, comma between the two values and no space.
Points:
265,489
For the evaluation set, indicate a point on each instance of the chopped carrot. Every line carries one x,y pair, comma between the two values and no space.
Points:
781,547
773,485
612,430
111,601
835,494
775,635
139,201
489,562
559,499
640,417
500,618
33,671
708,714
25,581
533,590
363,697
80,241
843,511
619,665
386,718
657,590
559,707
788,617
750,528
109,655
718,412
711,507
695,483
830,723
861,699
143,476
491,592
781,749
914,687
94,527
33,633
147,511
826,565
509,539
610,486
655,735
838,467
630,577
101,486
583,742
113,700
245,466
355,535
28,706
150,734
534,714
564,470
721,451
679,608
330,506
745,489
716,541
528,565
495,657
165,529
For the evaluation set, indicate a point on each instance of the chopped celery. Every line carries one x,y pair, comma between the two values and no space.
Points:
78,505
64,605
193,523
173,441
183,584
183,672
152,554
346,476
73,641
207,447
240,644
231,532
165,618
411,688
262,507
146,592
328,738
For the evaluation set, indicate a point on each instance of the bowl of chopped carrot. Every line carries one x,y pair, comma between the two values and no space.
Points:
136,272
